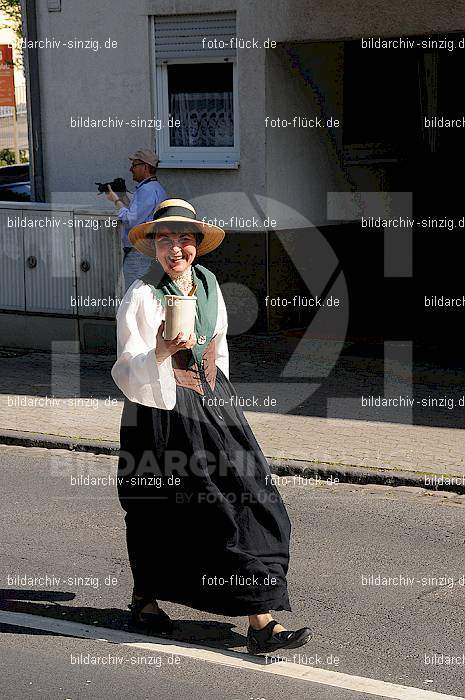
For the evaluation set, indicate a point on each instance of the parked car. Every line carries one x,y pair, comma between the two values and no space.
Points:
15,183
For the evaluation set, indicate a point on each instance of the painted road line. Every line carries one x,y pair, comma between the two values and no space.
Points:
233,659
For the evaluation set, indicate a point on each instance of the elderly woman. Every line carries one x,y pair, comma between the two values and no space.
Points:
205,527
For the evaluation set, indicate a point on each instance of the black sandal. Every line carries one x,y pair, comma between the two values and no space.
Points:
264,641
159,623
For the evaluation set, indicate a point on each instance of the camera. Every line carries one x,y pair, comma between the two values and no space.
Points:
117,185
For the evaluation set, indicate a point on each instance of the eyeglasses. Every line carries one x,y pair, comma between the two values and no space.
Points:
140,162
182,240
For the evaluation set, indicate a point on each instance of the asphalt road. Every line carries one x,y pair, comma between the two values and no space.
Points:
344,538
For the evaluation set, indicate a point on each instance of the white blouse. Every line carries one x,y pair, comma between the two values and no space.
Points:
136,371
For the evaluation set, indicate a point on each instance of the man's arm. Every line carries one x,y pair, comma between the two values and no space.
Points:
144,201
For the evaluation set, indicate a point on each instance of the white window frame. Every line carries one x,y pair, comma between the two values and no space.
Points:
192,156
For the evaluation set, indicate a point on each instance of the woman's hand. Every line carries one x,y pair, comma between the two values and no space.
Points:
166,348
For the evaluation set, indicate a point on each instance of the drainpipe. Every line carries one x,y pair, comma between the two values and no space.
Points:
34,121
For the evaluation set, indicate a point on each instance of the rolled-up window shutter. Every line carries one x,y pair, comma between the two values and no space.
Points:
180,36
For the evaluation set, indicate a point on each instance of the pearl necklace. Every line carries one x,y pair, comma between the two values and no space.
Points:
184,281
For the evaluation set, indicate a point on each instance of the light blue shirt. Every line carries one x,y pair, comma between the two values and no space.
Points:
147,196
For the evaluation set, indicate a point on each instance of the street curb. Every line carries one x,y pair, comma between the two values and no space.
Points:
342,473
317,472
58,442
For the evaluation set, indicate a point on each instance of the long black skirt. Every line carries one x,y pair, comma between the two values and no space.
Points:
205,526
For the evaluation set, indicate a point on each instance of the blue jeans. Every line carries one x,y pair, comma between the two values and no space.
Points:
135,265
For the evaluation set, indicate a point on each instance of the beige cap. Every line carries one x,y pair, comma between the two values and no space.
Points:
146,156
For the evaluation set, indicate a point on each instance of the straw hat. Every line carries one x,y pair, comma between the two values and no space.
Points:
169,213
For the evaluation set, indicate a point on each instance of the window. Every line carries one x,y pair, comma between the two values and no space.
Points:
201,101
196,91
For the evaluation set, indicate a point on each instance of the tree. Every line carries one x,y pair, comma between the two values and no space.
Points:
11,18
11,11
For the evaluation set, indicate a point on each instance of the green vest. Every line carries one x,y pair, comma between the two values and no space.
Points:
207,304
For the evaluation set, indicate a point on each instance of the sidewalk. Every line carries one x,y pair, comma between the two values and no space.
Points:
317,424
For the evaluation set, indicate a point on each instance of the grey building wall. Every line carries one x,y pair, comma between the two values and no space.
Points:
120,81
320,20
303,164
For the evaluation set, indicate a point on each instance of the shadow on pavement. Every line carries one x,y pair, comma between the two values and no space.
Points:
49,604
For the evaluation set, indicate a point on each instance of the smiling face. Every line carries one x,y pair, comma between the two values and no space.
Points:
176,250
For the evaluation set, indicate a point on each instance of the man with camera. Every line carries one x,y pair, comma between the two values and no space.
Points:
147,196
